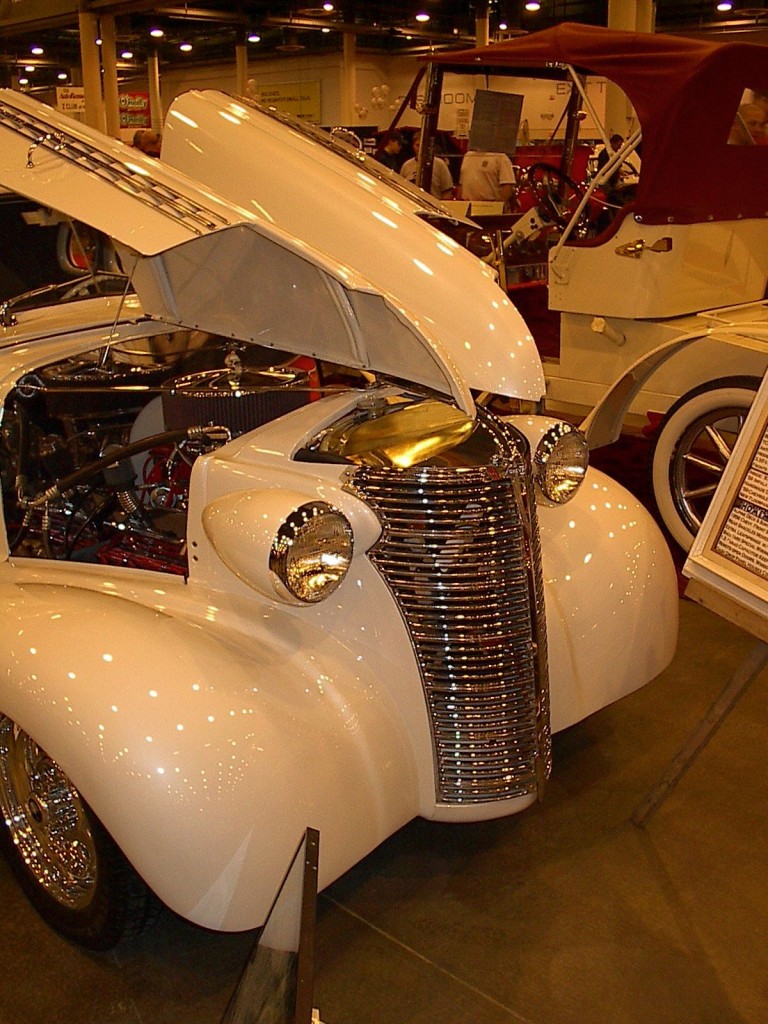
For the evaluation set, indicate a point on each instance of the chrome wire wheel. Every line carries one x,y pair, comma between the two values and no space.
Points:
46,820
695,442
702,455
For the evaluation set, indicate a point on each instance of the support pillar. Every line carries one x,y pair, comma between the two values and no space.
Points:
155,103
111,91
482,27
349,79
241,63
91,64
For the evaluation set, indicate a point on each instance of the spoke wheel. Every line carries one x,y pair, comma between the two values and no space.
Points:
695,442
46,820
69,867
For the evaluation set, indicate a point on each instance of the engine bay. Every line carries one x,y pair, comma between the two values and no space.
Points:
96,451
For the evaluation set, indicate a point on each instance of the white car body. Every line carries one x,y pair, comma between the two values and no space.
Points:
207,716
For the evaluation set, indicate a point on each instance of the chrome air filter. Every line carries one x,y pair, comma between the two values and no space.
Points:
239,400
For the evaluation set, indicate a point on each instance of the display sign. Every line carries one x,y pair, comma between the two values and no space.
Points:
70,99
728,562
302,99
495,121
13,12
134,110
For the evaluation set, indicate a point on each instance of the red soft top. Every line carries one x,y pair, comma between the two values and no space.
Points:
685,93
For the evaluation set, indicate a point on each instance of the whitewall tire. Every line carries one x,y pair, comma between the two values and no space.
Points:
695,440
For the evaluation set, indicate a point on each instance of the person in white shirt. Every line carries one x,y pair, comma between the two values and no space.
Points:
442,182
487,177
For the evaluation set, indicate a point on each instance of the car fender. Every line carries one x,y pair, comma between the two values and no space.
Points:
603,424
610,586
206,754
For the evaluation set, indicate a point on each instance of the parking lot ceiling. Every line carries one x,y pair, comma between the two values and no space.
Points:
210,30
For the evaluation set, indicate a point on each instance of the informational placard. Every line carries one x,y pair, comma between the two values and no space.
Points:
495,121
134,110
70,99
302,99
728,562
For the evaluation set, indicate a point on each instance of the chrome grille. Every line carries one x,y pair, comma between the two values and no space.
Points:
459,550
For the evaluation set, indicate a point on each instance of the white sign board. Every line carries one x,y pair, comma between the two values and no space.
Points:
728,562
70,99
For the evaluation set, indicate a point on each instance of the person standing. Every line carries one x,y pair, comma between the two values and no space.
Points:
442,182
390,152
487,177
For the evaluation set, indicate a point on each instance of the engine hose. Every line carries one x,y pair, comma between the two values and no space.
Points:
66,483
22,472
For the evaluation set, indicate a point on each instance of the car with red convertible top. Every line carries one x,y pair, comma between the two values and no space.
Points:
657,306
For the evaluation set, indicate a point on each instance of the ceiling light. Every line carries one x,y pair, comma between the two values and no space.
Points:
37,50
328,7
325,30
422,16
23,81
725,5
62,76
29,68
185,47
502,26
533,5
127,54
98,40
254,38
156,33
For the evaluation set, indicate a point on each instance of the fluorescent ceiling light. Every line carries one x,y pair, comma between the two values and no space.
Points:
254,38
156,33
127,54
185,47
422,16
37,50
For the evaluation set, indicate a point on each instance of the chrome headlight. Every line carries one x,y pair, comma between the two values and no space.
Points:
312,550
561,461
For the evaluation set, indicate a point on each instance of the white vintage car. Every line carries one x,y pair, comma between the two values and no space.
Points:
270,560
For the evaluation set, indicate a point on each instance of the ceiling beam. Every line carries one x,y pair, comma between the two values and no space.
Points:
118,7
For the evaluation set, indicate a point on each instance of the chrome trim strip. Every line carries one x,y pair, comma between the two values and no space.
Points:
115,171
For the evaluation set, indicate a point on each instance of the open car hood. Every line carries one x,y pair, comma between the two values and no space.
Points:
295,180
200,261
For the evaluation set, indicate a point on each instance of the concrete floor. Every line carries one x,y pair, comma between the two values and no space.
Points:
565,914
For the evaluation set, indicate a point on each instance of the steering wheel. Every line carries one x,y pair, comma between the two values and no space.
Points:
556,195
